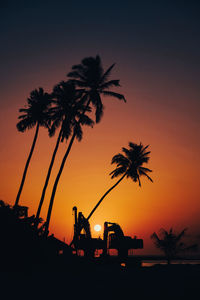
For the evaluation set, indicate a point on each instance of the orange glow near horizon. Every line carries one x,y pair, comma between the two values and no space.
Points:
171,201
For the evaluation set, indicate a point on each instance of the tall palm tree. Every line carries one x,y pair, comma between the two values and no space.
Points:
73,121
171,243
66,107
130,164
93,82
36,113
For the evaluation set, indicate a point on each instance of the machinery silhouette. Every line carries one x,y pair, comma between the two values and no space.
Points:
113,238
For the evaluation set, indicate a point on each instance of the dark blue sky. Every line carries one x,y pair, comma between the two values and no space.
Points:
148,32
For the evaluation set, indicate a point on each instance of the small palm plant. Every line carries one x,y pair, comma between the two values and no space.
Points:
171,243
129,165
35,114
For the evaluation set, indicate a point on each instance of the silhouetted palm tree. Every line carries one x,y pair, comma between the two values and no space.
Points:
35,114
171,243
129,164
66,108
94,82
73,121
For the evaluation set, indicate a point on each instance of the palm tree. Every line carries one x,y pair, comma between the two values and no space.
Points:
73,121
36,113
171,243
66,107
93,82
129,164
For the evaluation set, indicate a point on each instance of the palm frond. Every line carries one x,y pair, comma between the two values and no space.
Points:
113,94
85,120
78,83
66,130
26,110
109,84
156,240
118,171
88,61
107,74
96,100
76,75
144,148
77,67
120,159
54,126
78,131
139,181
24,124
145,169
181,234
145,174
22,117
126,151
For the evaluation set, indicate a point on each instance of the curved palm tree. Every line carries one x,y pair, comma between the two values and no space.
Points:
94,82
72,123
129,165
35,114
171,243
66,107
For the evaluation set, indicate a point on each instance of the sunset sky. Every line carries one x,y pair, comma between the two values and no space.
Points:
155,45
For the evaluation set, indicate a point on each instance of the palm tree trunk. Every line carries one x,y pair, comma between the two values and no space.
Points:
26,166
108,191
56,184
48,175
59,174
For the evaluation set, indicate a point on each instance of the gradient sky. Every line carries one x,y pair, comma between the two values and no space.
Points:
155,45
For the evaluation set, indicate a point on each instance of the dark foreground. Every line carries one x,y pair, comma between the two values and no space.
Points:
101,281
35,266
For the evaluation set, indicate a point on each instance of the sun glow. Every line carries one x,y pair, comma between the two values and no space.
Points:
97,227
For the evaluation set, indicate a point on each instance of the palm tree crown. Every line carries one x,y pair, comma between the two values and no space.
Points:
67,111
131,162
171,243
36,112
94,82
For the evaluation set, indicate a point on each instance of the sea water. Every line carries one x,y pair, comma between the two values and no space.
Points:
150,263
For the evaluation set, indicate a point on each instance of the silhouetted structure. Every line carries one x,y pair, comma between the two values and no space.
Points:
113,238
82,239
